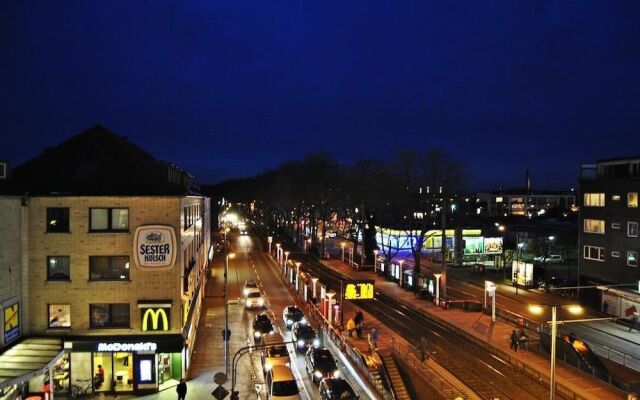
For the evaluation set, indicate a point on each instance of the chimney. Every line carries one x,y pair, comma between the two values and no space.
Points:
528,182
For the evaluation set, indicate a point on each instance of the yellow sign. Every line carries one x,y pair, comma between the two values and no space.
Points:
11,323
155,319
358,291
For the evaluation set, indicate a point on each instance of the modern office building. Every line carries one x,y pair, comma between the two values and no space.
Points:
114,248
609,243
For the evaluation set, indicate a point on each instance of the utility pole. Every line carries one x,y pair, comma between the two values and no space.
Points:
443,279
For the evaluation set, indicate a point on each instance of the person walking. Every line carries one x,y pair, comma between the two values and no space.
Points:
635,324
374,338
359,319
181,389
351,325
514,341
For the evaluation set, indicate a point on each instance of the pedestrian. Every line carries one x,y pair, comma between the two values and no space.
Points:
351,325
181,389
635,324
374,338
514,341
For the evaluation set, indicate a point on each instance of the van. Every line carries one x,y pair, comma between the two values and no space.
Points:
278,354
281,385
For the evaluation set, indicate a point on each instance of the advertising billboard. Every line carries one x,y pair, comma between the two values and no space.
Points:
493,245
473,246
360,290
154,246
11,322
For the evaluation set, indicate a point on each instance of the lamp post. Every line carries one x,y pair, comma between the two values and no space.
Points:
342,245
538,309
269,240
278,252
330,296
375,261
286,257
226,312
437,288
401,271
297,274
308,244
490,289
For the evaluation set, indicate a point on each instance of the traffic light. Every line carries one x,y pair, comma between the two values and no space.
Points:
235,395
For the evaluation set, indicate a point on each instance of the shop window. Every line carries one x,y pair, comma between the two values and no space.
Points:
108,268
615,225
57,219
632,200
109,315
123,371
632,258
615,197
103,372
594,199
58,268
59,315
615,254
169,370
632,229
594,226
109,219
593,253
61,376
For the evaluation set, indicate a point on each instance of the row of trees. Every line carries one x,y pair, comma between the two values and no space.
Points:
410,192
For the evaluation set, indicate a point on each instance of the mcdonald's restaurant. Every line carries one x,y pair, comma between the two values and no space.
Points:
140,363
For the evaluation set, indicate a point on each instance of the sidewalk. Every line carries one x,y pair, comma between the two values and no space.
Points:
480,326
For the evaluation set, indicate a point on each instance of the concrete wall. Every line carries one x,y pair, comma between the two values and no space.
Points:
11,232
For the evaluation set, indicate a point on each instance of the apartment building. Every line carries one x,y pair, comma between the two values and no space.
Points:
115,252
609,218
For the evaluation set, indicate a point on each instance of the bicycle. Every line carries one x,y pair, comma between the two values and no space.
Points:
82,387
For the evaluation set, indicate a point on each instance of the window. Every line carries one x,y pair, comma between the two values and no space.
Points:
615,197
615,254
58,268
632,258
594,226
108,268
109,315
594,253
632,200
57,219
59,315
109,219
632,229
594,199
615,225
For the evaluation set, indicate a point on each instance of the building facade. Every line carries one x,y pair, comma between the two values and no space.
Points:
609,218
526,204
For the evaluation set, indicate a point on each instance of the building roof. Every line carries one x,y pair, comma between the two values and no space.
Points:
97,161
27,359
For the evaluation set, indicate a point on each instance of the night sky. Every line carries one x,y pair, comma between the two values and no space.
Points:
227,89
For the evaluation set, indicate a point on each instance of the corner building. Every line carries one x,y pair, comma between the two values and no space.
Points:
119,277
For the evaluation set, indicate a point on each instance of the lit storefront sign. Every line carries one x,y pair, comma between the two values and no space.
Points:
11,322
155,319
127,347
522,273
155,247
358,290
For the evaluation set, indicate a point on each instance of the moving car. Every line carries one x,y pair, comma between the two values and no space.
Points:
261,326
277,354
304,336
254,299
249,284
291,315
336,389
281,385
320,364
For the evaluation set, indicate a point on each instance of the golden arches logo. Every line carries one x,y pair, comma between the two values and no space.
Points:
155,316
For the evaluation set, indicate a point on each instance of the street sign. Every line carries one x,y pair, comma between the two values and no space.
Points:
227,336
220,378
220,393
358,290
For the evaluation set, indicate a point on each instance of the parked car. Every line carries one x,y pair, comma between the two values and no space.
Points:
319,364
553,282
249,284
261,326
254,299
304,336
291,315
550,259
336,389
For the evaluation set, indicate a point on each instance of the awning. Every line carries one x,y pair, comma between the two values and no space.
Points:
29,358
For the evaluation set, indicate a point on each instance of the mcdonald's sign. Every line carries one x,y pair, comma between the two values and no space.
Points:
155,319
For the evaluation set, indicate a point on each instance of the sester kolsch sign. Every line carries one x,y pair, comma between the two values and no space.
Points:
154,246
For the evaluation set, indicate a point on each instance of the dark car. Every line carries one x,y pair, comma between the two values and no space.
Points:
304,336
261,326
320,364
336,389
553,282
291,315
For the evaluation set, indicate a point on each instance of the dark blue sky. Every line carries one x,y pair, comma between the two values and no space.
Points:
227,89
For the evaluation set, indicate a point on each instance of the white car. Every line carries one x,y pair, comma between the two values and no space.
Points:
254,299
249,284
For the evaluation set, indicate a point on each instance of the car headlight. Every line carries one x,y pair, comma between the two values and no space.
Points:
246,292
300,343
260,302
303,321
287,364
256,334
289,321
272,332
336,374
316,343
267,366
318,374
248,303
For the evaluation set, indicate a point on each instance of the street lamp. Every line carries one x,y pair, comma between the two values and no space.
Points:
401,271
297,273
314,280
342,245
278,252
286,257
375,262
538,309
269,240
437,288
226,312
330,296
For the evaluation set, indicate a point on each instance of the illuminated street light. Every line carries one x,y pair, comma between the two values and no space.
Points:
375,262
330,296
297,274
342,245
286,257
401,271
314,280
437,288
